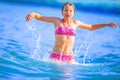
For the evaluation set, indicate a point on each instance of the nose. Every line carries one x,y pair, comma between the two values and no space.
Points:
68,12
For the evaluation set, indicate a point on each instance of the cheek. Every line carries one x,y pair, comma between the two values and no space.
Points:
63,13
72,14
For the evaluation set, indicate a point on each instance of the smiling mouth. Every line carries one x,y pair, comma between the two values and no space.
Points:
67,15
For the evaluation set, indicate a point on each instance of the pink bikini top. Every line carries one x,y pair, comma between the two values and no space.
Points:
65,31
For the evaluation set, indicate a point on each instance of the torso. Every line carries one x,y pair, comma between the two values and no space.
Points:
64,43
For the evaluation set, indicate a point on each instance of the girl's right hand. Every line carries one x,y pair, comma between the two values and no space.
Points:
30,17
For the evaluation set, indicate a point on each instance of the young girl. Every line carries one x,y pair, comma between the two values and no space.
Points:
65,32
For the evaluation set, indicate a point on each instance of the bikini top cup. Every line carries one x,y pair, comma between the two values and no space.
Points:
65,31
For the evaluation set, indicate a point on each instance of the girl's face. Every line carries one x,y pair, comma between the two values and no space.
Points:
68,12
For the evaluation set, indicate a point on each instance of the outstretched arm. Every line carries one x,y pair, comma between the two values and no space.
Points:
95,26
40,17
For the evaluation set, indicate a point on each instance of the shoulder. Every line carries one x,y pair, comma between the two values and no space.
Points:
80,24
58,19
77,23
57,22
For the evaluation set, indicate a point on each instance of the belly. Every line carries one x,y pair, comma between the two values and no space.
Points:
64,44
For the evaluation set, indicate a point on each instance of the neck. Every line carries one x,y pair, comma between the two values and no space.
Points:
67,21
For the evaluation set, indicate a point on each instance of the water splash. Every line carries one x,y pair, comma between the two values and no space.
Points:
37,49
86,46
31,26
85,54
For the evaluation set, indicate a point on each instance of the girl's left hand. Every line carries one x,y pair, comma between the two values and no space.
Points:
113,25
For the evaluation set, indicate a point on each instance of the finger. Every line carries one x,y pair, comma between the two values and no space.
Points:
115,25
28,18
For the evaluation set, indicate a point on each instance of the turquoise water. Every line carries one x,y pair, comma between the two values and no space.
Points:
25,47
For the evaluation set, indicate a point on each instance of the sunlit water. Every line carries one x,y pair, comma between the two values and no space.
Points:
25,47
